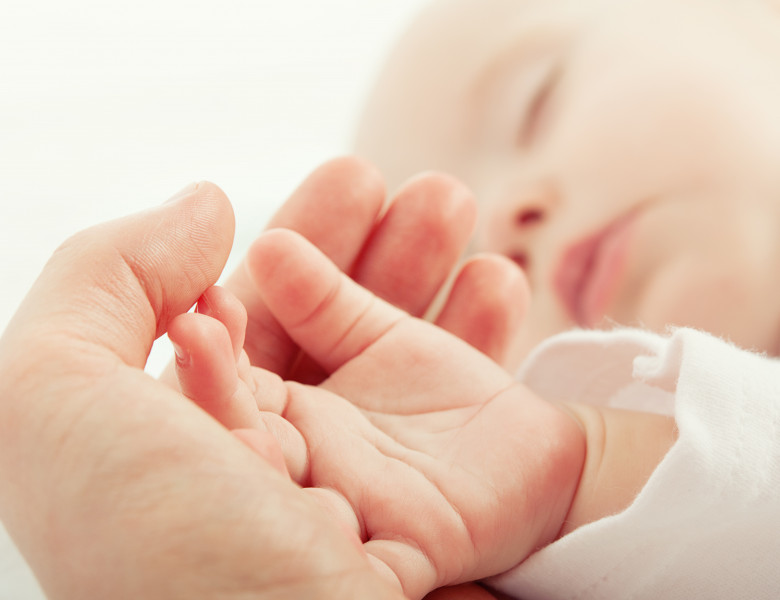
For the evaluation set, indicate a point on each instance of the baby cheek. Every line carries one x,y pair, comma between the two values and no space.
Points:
691,292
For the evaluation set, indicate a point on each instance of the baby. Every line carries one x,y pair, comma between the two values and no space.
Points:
625,155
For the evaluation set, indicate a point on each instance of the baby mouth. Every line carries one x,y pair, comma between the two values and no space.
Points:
589,272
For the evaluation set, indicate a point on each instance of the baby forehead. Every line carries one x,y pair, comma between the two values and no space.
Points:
463,35
462,21
451,41
477,13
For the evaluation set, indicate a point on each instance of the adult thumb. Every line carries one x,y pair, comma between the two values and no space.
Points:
116,286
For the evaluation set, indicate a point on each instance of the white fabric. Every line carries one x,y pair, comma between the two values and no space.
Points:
707,523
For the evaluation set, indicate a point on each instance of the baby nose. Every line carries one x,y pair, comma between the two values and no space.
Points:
516,215
522,221
516,229
527,216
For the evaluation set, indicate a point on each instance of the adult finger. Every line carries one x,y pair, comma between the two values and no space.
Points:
117,285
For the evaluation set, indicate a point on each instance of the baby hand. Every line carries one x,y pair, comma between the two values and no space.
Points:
402,248
446,469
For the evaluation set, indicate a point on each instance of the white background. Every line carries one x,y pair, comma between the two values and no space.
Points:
110,107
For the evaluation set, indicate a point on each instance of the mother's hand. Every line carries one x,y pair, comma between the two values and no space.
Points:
116,486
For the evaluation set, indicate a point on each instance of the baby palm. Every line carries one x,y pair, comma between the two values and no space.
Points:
448,469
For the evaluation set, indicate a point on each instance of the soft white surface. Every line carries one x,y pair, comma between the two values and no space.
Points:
110,107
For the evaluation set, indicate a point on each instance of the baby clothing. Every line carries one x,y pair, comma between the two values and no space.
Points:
707,523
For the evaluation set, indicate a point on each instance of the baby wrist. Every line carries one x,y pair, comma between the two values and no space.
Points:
623,448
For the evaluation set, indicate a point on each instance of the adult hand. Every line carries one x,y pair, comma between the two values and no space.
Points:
115,485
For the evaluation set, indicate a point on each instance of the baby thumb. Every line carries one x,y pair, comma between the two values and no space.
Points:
117,285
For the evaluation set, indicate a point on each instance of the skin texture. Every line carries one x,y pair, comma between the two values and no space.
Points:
452,504
168,502
413,403
482,308
390,245
165,502
565,117
337,209
162,502
181,500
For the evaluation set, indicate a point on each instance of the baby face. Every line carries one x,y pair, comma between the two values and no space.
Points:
625,153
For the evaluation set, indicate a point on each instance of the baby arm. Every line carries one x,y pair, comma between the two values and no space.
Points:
445,468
